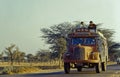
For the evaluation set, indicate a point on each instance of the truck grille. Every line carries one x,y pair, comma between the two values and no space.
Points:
78,53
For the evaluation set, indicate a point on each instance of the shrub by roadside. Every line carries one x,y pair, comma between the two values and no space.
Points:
19,70
7,70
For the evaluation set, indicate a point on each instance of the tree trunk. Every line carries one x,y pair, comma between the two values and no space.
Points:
11,62
60,61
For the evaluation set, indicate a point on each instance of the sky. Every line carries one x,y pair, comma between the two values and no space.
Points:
21,20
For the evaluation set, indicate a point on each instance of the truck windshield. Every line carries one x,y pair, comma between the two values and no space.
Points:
83,41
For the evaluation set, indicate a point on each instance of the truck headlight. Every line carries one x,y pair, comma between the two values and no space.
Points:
67,54
94,55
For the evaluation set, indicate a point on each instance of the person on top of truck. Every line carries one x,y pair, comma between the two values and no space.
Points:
92,25
81,25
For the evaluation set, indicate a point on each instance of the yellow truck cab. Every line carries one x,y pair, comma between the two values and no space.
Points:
86,48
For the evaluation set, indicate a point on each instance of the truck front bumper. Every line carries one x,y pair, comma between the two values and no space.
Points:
82,61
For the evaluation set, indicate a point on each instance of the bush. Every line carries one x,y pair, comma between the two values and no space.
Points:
7,70
19,69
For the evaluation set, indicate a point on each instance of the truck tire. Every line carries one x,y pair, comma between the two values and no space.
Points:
67,68
104,66
79,69
98,67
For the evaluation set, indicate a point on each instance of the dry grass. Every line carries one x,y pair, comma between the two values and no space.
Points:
111,63
19,70
55,63
4,64
27,67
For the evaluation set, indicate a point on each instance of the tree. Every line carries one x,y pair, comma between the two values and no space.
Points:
55,36
9,51
43,55
1,56
18,55
61,44
22,56
30,58
14,54
55,32
108,33
114,51
52,34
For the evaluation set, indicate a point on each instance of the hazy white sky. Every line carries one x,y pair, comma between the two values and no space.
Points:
21,20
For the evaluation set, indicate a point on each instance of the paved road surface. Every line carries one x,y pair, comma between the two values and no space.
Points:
112,71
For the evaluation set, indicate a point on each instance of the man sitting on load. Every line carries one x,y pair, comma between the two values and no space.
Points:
92,25
81,25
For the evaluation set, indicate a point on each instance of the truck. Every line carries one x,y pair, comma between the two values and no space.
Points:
86,48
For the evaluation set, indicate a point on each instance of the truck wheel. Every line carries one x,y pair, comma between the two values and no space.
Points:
67,68
79,69
98,67
104,66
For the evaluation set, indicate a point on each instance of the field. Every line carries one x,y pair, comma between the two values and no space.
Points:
3,64
25,67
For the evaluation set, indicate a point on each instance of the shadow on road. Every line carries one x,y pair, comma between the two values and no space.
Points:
114,67
41,74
